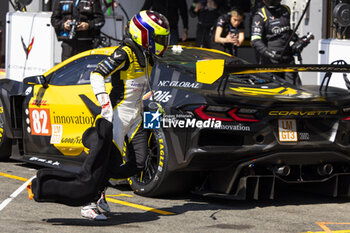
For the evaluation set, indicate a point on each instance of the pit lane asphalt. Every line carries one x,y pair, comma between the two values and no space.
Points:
290,212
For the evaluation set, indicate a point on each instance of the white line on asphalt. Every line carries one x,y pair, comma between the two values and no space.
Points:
15,194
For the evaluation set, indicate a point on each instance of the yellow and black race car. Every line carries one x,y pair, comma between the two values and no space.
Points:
228,128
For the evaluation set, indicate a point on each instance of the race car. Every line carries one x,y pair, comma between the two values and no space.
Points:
216,125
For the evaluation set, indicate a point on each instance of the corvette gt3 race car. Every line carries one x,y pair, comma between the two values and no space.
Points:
225,127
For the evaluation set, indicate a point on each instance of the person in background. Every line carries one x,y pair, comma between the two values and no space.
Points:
77,24
171,10
229,33
207,12
270,34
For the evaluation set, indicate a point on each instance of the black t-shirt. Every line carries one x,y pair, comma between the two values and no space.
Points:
224,21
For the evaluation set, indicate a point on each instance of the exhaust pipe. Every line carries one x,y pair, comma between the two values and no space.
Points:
325,169
282,170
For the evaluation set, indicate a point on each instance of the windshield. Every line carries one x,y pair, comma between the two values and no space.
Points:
188,57
251,79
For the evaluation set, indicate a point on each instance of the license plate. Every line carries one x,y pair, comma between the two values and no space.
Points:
287,129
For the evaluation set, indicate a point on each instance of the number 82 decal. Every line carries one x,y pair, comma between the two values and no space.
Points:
40,123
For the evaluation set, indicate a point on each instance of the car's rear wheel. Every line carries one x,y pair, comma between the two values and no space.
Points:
5,142
155,179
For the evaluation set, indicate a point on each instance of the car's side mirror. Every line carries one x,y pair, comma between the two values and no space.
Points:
39,79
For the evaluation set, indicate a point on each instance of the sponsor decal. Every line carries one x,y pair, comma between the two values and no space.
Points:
303,113
160,96
239,127
40,123
257,30
76,140
77,120
57,131
28,48
47,161
161,155
39,102
28,91
136,84
178,84
304,136
278,30
147,95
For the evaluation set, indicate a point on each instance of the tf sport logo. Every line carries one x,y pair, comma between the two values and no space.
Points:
151,120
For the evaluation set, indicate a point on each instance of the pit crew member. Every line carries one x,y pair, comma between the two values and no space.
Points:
270,33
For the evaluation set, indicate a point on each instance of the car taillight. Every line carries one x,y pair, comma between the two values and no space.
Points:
206,115
226,114
346,111
241,117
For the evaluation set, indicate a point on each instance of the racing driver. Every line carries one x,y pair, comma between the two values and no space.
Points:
270,34
129,67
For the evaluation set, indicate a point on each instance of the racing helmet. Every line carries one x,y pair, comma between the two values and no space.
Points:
150,30
272,3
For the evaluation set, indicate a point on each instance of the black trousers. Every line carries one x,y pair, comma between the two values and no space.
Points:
203,38
136,156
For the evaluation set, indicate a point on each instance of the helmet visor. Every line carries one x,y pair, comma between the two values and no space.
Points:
162,39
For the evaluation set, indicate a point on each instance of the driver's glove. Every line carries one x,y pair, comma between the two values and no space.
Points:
107,109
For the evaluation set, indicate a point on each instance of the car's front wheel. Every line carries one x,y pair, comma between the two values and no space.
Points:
155,179
5,142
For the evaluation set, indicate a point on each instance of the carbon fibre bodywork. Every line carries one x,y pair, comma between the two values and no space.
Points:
251,152
239,137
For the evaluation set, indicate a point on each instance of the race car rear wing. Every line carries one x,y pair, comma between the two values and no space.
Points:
209,71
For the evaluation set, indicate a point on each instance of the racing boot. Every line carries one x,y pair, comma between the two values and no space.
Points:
102,203
91,212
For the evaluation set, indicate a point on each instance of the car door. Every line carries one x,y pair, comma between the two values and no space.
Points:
57,113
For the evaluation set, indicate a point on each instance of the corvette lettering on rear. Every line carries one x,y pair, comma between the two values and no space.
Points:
303,113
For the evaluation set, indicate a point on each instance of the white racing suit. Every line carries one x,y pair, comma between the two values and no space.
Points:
129,83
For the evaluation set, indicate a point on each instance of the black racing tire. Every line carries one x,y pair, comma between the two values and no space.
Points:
155,179
5,142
